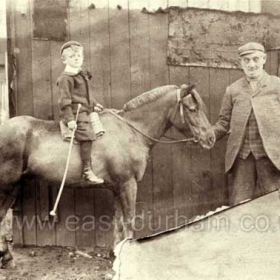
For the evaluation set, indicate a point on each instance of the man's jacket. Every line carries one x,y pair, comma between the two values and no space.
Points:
236,107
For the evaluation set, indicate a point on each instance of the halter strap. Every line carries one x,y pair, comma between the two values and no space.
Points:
193,139
180,103
183,118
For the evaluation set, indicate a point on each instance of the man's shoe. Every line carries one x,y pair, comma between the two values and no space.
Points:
89,176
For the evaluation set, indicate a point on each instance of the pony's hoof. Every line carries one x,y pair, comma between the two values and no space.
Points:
8,265
7,261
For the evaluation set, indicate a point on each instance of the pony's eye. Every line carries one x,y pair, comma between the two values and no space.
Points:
192,110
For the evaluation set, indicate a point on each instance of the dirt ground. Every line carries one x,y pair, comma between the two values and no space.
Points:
51,263
56,263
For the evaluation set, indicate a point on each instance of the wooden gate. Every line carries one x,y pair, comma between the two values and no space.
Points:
125,49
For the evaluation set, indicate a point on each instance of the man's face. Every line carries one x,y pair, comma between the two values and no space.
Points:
74,58
252,64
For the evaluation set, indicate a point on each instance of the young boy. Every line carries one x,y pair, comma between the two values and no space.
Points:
73,90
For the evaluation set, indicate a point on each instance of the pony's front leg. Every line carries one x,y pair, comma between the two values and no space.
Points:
5,254
7,199
124,202
128,192
118,221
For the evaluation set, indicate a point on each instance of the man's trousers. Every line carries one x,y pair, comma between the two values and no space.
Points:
252,178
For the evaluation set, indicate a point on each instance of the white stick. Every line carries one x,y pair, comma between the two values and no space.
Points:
53,212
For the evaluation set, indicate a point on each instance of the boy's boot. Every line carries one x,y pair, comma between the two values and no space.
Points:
88,174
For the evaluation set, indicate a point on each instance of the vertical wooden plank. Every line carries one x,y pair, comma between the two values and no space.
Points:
29,213
274,62
278,61
140,82
53,192
24,103
267,65
201,172
11,42
119,53
3,30
46,234
101,88
56,68
139,49
119,63
23,50
43,207
84,199
219,80
234,75
49,19
18,238
104,211
181,155
42,100
100,53
42,97
68,221
85,233
79,27
162,156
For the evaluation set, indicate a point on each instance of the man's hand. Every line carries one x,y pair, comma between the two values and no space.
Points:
98,108
72,125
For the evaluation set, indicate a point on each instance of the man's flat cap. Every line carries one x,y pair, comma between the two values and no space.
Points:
250,48
68,44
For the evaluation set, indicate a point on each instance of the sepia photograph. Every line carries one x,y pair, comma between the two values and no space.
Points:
138,139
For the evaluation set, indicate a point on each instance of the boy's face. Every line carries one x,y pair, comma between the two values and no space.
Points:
73,57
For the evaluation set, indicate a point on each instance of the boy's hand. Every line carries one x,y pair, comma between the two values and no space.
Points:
72,125
98,108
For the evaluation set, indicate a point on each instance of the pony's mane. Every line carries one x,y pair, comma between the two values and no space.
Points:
147,97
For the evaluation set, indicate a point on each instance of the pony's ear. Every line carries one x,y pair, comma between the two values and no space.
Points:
186,89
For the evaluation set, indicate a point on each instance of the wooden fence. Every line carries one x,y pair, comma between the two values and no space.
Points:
125,50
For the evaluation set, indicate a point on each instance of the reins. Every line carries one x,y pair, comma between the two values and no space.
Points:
179,102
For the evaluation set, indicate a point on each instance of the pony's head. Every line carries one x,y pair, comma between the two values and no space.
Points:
190,115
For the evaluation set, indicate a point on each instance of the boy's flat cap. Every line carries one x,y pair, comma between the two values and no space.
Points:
68,44
250,48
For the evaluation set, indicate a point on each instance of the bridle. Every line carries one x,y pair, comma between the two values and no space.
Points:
183,116
184,120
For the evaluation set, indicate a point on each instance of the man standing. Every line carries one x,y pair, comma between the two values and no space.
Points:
250,114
